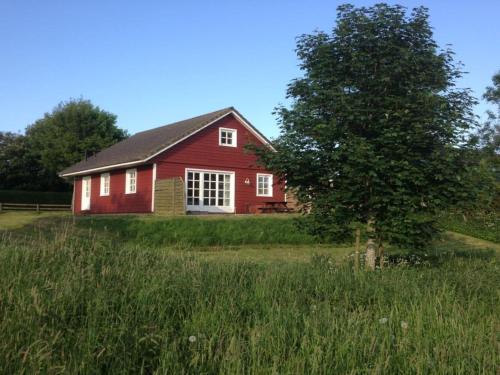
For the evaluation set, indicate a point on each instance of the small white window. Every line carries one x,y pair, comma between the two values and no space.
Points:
264,185
131,181
104,184
227,137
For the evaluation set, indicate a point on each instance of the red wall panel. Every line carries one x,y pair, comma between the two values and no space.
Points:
117,201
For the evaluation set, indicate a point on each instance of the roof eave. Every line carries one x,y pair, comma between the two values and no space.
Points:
102,169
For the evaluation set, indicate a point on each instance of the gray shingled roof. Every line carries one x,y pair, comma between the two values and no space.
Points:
141,146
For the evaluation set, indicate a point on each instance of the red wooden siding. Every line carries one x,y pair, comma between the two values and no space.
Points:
117,201
202,151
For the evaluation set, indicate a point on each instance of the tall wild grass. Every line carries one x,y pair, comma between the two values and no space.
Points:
73,304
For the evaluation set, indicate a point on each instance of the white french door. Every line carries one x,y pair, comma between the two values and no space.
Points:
211,191
86,185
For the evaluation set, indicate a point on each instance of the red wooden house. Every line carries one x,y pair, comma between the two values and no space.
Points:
206,152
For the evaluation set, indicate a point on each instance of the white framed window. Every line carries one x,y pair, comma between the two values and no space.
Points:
104,184
264,185
131,181
227,137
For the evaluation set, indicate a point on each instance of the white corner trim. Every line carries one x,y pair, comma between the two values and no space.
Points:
73,197
138,162
153,189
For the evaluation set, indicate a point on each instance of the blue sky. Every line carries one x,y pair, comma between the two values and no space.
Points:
155,62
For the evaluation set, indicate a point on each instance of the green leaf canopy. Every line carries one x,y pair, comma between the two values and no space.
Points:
377,130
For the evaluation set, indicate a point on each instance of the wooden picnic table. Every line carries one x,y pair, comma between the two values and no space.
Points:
274,207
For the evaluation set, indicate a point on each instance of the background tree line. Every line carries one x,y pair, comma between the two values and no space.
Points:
73,130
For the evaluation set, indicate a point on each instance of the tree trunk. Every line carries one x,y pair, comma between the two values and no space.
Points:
356,253
370,255
381,254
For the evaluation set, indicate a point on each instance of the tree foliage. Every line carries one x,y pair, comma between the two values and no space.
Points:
19,169
72,131
488,140
377,130
489,134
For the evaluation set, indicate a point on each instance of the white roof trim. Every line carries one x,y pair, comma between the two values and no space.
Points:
253,131
186,137
132,163
106,167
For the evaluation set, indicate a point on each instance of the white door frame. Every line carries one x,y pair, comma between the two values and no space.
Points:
201,207
85,203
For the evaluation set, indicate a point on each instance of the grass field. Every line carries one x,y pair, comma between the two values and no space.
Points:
19,219
101,296
485,226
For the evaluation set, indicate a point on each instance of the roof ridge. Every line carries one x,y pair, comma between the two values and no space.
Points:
227,109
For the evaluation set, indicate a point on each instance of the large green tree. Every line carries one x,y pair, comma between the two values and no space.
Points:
73,130
377,129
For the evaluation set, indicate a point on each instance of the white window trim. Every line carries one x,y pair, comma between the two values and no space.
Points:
234,138
127,181
270,184
103,178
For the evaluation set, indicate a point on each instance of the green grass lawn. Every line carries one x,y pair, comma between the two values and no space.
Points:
102,297
200,231
19,219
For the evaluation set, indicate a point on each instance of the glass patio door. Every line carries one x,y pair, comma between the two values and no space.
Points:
210,191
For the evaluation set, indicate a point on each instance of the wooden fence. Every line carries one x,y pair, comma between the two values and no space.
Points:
169,196
34,207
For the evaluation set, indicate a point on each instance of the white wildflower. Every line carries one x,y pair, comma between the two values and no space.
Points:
383,320
192,338
404,325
